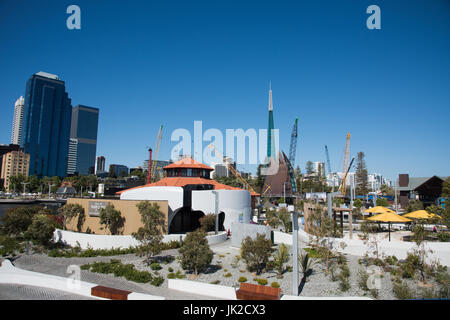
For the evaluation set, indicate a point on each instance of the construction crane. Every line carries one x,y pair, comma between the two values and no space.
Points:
233,170
267,189
345,177
345,166
291,174
152,164
293,146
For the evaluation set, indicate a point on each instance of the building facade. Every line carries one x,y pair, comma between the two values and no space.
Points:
118,169
16,133
84,127
46,125
14,163
72,159
100,164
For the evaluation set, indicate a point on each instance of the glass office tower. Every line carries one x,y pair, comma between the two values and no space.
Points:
46,125
84,129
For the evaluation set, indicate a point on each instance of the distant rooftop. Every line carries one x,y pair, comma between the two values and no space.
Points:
47,75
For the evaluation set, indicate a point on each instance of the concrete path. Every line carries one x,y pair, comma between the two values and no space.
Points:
25,292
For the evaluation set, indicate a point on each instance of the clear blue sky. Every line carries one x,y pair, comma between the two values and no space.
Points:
146,63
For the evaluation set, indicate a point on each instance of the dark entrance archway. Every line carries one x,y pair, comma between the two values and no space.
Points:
185,220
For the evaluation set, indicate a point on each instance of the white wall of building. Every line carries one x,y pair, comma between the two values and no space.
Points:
232,202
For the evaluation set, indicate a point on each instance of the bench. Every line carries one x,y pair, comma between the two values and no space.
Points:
248,291
109,293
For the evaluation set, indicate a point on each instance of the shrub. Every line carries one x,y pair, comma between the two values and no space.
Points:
208,222
262,281
111,218
41,229
344,284
363,276
195,253
242,279
402,291
443,236
275,285
227,275
171,275
127,271
306,263
256,252
391,260
215,282
155,266
170,269
179,275
280,258
9,245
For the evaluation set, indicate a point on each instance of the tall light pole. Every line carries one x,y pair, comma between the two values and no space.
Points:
216,193
295,251
49,189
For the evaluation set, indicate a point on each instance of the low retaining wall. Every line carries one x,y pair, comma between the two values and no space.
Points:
206,289
12,275
243,230
441,250
98,241
286,297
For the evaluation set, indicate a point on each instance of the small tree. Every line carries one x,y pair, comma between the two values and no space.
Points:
151,234
208,222
414,205
283,217
382,202
256,252
111,218
41,229
195,254
70,211
280,258
368,229
16,221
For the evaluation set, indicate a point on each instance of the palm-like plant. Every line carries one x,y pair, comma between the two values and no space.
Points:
280,258
306,264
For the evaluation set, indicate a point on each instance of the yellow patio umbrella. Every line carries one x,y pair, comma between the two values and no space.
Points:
378,209
421,214
389,217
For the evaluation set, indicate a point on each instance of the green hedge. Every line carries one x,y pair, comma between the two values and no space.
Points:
127,271
88,253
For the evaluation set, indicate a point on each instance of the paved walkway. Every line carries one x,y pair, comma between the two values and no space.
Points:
24,292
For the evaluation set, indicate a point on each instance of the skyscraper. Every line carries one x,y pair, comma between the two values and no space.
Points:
100,164
84,129
46,125
270,133
16,133
72,159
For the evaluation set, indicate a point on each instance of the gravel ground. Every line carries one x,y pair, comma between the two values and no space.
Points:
318,284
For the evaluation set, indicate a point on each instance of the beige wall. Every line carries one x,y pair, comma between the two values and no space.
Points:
127,208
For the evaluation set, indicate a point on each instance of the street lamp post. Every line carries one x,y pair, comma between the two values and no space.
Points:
49,189
295,251
216,193
24,184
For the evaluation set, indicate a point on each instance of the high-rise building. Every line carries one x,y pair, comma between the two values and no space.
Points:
4,149
118,169
84,129
319,169
46,125
13,164
72,159
100,164
16,133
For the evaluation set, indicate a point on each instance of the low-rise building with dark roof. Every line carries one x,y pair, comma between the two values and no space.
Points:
425,189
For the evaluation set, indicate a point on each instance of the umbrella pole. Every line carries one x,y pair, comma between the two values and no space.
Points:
389,224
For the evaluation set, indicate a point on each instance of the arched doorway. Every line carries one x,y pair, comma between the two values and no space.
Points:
185,220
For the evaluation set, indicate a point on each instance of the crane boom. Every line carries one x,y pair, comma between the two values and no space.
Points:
232,169
345,177
291,174
293,146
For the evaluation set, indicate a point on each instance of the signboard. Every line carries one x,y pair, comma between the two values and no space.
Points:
95,206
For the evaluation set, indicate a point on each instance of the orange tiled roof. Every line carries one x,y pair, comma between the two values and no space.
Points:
182,181
188,163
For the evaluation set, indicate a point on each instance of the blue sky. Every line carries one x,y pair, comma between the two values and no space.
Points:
147,63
